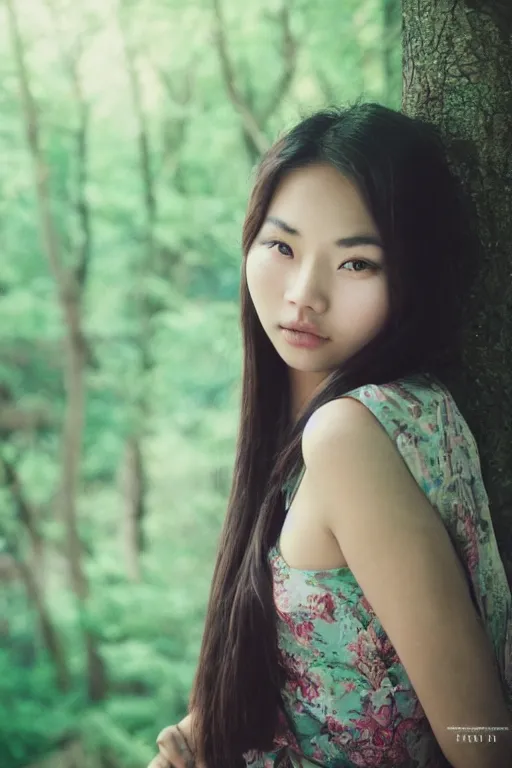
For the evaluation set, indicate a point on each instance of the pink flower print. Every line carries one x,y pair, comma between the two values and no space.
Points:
288,620
366,757
367,661
467,534
382,716
377,393
281,598
300,678
383,647
303,632
284,736
332,724
284,727
323,606
349,687
310,689
383,738
338,732
471,544
380,734
373,670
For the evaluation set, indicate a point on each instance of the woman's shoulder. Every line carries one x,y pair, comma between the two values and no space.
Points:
404,406
420,417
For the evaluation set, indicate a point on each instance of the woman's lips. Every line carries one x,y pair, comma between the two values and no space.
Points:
301,339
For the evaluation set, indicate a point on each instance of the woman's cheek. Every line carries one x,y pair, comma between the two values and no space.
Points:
259,272
360,309
372,310
249,272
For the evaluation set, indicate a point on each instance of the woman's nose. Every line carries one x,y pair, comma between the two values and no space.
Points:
306,290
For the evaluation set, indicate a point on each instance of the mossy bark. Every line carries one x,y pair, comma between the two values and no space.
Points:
457,73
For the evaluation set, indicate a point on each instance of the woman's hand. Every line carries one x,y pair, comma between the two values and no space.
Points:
176,749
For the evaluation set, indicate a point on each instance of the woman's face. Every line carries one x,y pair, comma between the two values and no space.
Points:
298,271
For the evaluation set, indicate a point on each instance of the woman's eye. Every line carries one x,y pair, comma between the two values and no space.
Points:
359,261
279,244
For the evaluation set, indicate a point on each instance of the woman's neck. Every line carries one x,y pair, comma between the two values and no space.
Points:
304,385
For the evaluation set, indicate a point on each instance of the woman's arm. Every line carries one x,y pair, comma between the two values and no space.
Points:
401,555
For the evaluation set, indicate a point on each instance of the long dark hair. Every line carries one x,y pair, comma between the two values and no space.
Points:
400,167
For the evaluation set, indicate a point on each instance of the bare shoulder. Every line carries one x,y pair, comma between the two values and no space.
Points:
336,421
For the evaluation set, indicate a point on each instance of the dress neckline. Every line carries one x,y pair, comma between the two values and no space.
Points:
342,569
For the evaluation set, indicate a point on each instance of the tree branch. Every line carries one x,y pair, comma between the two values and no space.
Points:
250,122
72,64
14,419
67,287
289,50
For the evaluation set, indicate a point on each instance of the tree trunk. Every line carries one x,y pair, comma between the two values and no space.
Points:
69,291
48,632
31,573
133,495
457,73
28,516
133,469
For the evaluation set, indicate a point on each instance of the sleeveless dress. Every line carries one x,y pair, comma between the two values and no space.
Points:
347,696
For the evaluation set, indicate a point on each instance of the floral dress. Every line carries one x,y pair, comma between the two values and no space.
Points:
348,697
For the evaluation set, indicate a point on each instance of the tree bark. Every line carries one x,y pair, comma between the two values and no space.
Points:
457,73
174,130
48,631
133,495
28,518
70,292
31,574
133,471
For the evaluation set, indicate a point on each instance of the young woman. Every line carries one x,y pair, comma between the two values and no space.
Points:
359,613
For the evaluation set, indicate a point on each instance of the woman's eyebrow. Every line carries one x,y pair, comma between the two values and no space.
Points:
343,242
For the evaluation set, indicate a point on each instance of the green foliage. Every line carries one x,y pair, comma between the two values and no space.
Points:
160,313
33,713
104,736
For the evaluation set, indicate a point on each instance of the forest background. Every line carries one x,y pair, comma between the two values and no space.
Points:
128,136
